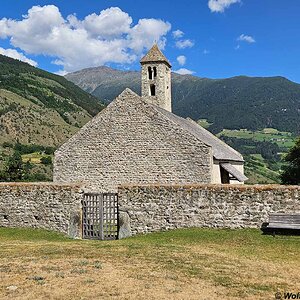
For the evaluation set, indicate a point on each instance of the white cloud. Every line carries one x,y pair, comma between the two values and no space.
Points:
181,60
17,55
3,33
205,51
61,73
184,71
110,23
246,38
220,5
146,32
107,37
181,44
177,34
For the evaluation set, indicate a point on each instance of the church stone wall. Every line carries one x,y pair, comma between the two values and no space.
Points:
154,208
130,142
41,205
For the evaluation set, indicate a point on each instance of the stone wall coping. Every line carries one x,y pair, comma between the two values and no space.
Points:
34,185
241,187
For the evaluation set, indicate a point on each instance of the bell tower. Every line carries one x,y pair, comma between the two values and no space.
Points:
156,78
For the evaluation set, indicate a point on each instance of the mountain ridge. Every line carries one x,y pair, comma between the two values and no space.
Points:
252,102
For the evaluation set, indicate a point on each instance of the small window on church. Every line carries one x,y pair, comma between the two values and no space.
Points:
150,73
152,90
154,71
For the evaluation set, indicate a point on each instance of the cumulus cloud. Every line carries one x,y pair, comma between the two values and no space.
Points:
246,38
107,37
17,55
110,23
146,32
184,71
182,44
177,34
219,6
181,60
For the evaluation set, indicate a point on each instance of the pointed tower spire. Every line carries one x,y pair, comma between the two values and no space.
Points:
156,78
155,55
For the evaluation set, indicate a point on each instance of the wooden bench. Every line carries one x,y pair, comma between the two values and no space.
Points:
282,223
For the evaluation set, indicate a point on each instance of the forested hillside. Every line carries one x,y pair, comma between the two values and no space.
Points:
40,107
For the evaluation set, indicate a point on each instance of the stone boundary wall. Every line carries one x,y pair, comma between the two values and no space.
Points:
41,205
149,208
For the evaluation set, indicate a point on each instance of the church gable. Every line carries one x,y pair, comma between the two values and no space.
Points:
131,142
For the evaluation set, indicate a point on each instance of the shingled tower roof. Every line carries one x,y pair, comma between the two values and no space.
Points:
155,55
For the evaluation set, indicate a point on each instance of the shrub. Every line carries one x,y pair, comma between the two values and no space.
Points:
46,160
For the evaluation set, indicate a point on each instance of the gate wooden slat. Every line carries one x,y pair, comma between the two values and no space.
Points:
101,196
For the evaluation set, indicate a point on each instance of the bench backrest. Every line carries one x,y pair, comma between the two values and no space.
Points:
284,218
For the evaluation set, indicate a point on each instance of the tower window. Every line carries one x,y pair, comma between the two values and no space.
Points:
150,73
152,90
154,71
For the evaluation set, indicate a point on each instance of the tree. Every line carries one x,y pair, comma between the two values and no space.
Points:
14,170
27,167
291,173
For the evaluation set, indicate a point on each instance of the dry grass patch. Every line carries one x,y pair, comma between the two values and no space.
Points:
181,264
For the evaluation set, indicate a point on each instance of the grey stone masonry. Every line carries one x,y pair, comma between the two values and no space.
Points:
41,205
131,142
154,208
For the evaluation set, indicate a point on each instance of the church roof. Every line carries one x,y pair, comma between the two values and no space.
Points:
221,150
155,55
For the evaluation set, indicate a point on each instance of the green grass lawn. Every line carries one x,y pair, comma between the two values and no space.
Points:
180,264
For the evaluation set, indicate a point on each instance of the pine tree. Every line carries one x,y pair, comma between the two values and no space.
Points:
291,173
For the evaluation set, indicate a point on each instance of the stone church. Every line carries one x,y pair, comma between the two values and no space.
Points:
138,140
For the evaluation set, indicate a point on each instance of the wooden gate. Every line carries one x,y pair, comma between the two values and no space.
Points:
100,216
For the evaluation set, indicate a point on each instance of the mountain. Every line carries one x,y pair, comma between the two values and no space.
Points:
253,103
105,81
39,107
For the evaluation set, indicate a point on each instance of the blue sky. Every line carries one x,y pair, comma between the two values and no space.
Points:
209,38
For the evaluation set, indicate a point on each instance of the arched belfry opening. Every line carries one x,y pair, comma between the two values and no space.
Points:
156,78
154,72
149,73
